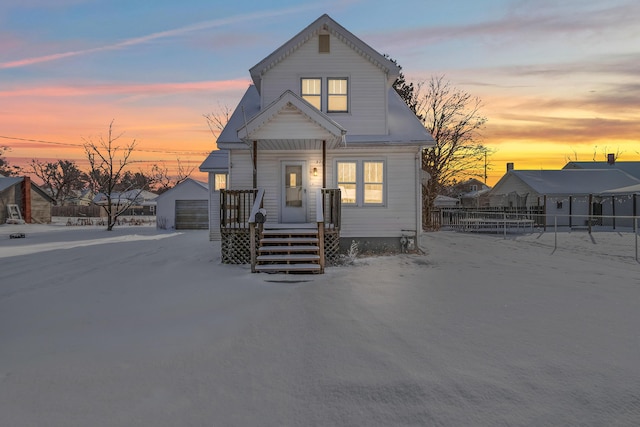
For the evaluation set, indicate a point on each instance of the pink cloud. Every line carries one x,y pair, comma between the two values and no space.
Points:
127,89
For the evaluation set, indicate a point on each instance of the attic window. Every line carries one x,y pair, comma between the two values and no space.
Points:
323,43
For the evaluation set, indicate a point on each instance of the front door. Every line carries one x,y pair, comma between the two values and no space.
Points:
294,193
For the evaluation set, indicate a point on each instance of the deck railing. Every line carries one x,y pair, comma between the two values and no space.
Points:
255,228
239,230
332,208
235,212
330,205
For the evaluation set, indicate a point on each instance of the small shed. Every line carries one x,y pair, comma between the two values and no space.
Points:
33,203
184,207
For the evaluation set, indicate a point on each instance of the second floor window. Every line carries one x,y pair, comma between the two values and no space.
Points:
336,99
312,92
337,95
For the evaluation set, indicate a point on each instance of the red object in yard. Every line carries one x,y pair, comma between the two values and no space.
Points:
26,199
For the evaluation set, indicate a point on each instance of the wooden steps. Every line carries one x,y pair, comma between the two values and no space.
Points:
289,248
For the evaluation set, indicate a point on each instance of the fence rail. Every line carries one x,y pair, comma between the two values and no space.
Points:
76,211
465,218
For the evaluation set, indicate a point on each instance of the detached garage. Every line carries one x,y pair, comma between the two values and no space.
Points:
184,207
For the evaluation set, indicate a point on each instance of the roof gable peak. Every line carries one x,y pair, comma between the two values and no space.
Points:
323,25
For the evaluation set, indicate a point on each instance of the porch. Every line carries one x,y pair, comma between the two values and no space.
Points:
248,236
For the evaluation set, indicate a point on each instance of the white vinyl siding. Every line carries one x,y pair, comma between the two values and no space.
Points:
398,213
367,91
402,193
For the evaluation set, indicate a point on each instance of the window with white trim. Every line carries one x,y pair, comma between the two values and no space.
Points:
337,95
361,182
330,94
220,181
311,91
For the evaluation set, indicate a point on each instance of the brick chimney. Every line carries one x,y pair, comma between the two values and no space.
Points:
26,199
611,159
509,166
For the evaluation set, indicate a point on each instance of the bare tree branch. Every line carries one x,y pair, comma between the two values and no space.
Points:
107,162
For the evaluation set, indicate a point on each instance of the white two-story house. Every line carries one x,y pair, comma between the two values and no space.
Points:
320,142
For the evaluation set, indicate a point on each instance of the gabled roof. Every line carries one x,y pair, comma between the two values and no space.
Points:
632,168
216,161
326,128
404,126
324,23
186,182
10,181
569,181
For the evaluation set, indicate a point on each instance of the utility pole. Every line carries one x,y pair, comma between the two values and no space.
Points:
485,166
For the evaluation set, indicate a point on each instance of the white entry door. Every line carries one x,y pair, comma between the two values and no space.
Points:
294,192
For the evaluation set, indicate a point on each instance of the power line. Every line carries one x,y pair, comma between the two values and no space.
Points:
69,144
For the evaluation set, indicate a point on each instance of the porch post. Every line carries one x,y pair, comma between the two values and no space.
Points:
255,164
324,163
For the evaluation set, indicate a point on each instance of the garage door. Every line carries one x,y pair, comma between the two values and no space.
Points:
192,214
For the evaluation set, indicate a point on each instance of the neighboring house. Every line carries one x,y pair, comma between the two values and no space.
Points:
33,203
217,166
445,202
472,193
322,115
631,168
134,202
82,197
571,196
184,207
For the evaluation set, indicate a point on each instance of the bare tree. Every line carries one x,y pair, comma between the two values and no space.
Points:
453,118
62,178
108,162
5,168
218,119
164,180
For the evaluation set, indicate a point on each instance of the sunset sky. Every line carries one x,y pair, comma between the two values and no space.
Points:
558,79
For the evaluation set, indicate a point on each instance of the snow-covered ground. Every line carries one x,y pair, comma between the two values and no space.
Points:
139,327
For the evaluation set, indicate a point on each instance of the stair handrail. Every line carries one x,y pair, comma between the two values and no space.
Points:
320,222
257,205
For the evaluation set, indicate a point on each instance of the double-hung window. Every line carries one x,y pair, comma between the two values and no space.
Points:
361,182
337,95
311,92
330,95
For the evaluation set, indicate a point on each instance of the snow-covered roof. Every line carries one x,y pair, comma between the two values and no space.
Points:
328,128
570,181
187,182
442,200
142,197
9,181
324,23
404,126
631,189
632,168
216,161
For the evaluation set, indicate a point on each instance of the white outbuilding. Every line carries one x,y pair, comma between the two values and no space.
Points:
184,207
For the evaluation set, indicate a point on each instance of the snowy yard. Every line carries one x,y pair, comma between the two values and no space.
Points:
147,328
